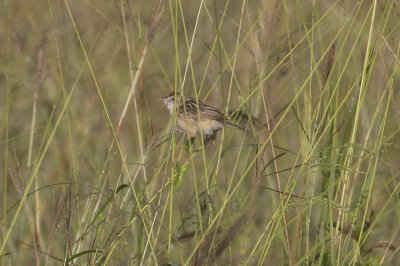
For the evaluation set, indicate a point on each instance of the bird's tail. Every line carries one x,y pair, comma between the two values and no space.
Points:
234,125
240,119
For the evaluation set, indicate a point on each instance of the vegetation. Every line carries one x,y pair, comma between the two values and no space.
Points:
94,172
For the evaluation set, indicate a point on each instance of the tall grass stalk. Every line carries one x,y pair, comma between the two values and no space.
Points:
97,172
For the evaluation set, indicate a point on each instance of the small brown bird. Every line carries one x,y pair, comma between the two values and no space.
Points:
210,121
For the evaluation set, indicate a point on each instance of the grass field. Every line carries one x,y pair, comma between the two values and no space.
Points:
94,172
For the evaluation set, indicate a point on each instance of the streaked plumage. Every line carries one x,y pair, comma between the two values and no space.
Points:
211,119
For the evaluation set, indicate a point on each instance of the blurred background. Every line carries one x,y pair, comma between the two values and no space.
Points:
313,179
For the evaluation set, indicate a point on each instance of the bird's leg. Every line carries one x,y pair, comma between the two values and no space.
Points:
189,142
210,138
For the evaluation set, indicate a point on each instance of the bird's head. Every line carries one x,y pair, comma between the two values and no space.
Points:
169,100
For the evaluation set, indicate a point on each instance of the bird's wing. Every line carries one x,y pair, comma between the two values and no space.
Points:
206,111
